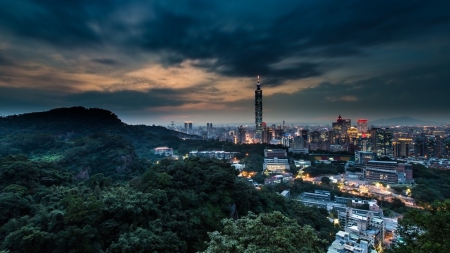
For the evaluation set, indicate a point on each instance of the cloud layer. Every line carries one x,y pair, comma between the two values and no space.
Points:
157,61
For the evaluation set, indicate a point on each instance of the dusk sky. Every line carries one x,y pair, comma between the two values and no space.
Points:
151,62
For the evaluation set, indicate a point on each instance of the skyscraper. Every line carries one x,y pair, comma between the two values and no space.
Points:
258,110
340,127
362,126
187,126
242,134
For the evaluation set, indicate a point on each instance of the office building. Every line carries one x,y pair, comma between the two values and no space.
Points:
188,126
271,153
305,137
275,165
402,146
446,147
352,134
388,172
242,135
298,142
267,134
381,141
362,126
362,157
339,130
275,161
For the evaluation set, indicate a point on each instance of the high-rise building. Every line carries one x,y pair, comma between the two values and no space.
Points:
361,125
381,141
187,125
305,136
340,130
258,109
298,142
267,133
402,146
242,134
446,144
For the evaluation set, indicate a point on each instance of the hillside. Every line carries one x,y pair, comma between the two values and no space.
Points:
73,180
29,132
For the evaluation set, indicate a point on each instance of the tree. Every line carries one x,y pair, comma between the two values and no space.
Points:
425,231
267,232
325,180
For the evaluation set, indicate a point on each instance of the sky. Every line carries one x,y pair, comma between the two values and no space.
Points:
153,62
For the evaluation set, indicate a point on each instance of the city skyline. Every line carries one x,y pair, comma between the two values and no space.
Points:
157,62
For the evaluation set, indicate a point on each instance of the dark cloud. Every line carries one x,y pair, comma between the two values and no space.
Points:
105,61
61,24
5,62
202,30
419,92
30,99
279,40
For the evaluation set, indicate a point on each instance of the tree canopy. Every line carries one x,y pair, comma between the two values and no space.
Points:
266,232
425,231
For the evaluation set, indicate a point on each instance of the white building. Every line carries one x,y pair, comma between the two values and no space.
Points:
163,151
275,165
302,164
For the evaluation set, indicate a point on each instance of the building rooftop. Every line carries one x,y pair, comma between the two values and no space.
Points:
159,148
385,162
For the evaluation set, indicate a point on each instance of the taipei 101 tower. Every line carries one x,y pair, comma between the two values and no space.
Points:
258,110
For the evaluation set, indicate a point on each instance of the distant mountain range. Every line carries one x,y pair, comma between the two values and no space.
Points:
404,120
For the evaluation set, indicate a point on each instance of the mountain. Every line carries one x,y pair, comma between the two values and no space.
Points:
31,132
62,120
404,120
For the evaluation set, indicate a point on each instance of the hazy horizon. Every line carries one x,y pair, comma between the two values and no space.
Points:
250,124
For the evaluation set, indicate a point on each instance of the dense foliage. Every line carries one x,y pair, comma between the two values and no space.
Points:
324,169
267,232
425,231
169,208
430,184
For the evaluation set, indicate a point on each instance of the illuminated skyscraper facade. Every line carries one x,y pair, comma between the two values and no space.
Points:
362,126
258,110
242,134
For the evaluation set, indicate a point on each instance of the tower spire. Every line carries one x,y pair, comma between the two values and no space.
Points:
258,85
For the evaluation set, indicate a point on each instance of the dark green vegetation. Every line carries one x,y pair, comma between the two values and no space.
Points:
425,231
79,180
169,208
270,232
430,184
47,135
324,169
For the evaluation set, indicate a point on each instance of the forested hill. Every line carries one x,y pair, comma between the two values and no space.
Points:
80,180
40,131
61,121
76,120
